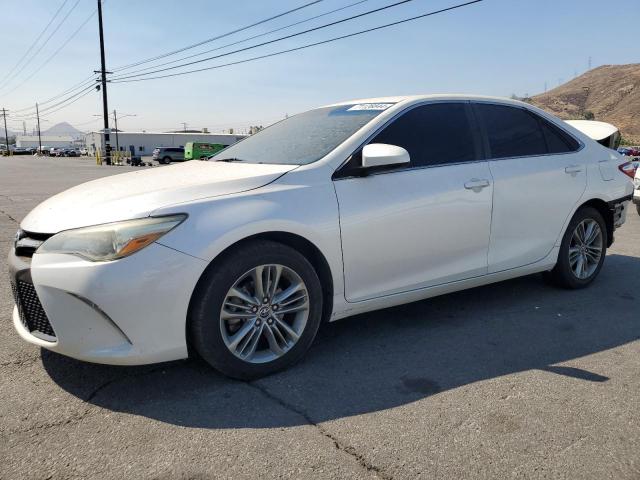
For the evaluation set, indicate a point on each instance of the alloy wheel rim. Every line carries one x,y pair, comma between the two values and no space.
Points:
585,249
264,313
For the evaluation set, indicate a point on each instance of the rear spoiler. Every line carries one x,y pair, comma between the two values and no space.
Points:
602,132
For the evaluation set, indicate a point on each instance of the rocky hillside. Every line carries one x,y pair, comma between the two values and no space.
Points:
610,92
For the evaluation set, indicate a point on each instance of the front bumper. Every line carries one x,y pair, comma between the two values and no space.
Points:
130,311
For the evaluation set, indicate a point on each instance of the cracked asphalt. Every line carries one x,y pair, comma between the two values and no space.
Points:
516,379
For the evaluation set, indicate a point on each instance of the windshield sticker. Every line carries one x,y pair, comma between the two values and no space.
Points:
370,106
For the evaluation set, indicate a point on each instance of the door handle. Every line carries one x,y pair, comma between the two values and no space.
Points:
476,184
573,169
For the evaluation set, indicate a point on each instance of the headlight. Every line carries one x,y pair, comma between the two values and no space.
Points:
111,240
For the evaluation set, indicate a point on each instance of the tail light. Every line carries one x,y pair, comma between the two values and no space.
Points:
629,169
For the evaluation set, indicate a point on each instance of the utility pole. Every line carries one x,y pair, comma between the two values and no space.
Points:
39,137
115,124
184,126
24,128
6,135
103,72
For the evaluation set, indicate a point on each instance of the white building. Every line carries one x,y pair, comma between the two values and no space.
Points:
31,141
143,143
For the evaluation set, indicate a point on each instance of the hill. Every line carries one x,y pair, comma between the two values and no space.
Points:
610,92
63,128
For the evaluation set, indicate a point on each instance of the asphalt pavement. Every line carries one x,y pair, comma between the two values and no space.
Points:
512,380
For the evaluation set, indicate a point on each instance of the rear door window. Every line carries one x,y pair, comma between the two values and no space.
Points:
511,131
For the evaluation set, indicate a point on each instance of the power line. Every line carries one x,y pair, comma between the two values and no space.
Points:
46,62
45,42
309,45
49,113
58,106
279,39
188,47
34,43
251,38
71,97
86,81
86,123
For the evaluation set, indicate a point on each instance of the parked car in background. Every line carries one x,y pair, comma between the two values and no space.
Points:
244,256
84,152
20,151
623,151
56,152
200,150
634,151
166,155
70,152
636,185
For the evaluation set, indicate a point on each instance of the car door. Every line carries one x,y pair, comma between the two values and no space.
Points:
420,225
539,175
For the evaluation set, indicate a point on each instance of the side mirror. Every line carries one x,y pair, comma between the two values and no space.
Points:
381,154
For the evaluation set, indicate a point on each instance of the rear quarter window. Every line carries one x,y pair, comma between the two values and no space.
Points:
558,141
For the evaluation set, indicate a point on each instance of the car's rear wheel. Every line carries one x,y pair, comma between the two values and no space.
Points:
166,160
257,310
582,251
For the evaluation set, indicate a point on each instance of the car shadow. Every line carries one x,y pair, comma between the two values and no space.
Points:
385,359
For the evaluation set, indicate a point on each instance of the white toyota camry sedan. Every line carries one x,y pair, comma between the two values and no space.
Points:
340,210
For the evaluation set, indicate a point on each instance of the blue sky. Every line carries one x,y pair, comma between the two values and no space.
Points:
496,47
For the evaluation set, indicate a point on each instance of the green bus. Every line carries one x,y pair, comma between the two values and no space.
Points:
198,150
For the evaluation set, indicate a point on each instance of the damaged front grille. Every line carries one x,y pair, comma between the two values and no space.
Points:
26,243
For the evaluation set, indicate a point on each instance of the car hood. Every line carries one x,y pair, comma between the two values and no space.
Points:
137,194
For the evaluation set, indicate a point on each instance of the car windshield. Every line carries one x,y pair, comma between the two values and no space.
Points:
303,138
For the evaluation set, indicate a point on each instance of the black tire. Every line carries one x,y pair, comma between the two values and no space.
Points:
166,160
562,275
204,326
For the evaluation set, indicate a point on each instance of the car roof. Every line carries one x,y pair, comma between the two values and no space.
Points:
417,98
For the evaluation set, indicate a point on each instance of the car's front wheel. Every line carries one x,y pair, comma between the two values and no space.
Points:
582,251
256,310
